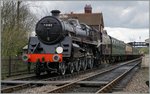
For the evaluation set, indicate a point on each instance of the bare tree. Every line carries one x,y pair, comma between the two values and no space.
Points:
17,21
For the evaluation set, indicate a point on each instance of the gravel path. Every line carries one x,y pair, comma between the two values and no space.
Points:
137,84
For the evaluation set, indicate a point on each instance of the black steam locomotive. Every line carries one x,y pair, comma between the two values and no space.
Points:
70,46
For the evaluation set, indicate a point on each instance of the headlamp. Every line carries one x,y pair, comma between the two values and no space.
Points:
59,50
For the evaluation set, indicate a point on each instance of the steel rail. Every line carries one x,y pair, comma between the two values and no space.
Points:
14,88
110,85
21,77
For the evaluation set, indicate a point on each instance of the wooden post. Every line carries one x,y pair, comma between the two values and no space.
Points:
29,67
9,66
18,6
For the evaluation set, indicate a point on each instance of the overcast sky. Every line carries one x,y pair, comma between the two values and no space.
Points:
125,20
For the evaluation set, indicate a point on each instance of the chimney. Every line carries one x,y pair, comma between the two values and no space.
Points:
55,13
71,12
88,9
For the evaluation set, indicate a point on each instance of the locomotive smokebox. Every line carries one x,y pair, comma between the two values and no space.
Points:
49,29
55,13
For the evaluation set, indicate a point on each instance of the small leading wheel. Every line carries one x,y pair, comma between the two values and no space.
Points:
37,69
77,65
90,63
113,60
62,68
71,67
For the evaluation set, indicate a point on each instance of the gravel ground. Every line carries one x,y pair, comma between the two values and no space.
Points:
36,89
137,83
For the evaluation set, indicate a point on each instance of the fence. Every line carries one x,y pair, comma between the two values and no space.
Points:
14,66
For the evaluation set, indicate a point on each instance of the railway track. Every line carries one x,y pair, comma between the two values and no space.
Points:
111,84
15,84
101,89
61,86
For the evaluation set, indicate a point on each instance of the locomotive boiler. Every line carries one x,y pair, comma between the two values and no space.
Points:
51,29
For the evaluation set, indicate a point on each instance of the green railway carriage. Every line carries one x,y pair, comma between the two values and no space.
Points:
129,49
117,47
114,50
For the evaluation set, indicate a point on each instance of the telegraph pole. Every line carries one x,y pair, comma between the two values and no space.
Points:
18,6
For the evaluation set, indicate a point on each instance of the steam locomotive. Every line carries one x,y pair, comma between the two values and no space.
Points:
67,46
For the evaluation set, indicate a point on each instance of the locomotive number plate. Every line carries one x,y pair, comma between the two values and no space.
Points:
48,25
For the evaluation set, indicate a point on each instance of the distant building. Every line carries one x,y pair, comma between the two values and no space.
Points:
94,20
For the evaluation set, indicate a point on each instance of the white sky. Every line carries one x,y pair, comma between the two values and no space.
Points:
125,20
128,34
